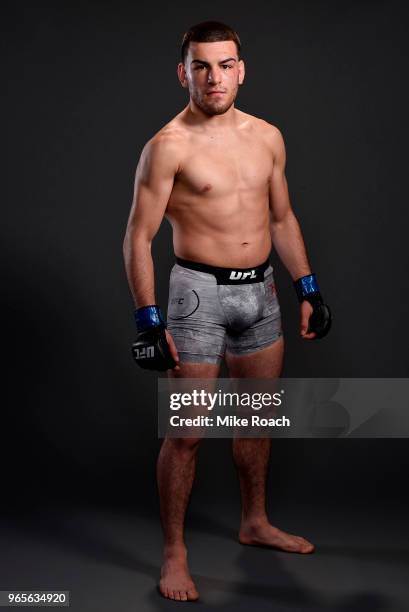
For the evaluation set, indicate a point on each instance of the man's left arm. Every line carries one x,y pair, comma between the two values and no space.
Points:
288,241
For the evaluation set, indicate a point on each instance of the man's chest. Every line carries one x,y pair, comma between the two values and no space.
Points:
215,167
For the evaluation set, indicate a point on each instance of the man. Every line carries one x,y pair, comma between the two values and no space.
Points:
217,174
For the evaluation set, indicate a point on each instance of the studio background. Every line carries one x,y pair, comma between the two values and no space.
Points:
85,86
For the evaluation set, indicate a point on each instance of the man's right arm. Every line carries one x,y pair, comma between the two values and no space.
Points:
155,173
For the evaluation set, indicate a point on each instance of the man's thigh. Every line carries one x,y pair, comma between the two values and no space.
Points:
203,371
196,323
264,363
195,370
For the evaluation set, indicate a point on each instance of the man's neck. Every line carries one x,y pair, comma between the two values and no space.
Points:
195,116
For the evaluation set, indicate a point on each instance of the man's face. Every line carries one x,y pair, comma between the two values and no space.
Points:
212,72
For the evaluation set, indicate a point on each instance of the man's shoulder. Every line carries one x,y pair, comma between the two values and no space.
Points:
167,142
268,130
270,134
256,122
262,129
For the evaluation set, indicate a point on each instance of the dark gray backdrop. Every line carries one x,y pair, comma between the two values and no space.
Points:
85,86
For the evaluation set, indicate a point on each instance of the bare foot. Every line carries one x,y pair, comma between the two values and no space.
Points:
175,582
264,534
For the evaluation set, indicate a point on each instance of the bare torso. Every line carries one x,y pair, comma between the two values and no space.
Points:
219,204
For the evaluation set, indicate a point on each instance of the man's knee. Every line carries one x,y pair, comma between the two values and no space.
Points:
183,445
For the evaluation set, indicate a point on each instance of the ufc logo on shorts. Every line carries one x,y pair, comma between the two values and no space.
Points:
242,275
145,352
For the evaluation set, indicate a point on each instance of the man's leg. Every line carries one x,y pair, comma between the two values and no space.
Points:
176,470
251,456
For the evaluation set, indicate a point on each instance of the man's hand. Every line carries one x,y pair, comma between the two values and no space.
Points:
154,348
172,348
306,311
315,314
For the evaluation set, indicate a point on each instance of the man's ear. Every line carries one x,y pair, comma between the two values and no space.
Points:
181,70
242,71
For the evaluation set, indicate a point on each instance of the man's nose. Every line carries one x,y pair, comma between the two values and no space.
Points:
214,75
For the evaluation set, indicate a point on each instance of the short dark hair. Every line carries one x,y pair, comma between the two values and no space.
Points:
209,31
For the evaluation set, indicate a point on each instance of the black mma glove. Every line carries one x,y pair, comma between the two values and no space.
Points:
320,319
150,349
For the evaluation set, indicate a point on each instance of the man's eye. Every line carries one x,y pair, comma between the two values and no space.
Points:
223,66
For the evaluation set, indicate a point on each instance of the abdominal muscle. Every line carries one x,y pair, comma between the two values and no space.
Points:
243,244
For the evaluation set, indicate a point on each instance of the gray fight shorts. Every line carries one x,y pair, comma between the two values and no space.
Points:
211,309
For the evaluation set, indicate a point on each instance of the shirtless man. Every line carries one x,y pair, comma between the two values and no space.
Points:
217,174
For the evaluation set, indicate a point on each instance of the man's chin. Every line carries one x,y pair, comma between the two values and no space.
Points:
215,110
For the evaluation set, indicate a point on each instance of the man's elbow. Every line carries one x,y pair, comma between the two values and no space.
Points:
281,220
135,239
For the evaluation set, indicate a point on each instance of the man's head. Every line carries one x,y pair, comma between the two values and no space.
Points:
211,67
